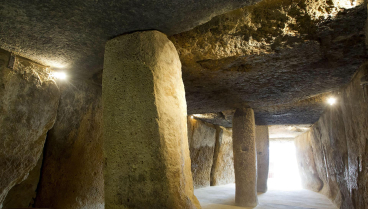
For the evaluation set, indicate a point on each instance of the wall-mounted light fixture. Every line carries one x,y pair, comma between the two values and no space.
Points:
331,101
59,75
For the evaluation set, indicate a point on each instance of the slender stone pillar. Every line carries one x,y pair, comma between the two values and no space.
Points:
245,159
262,142
147,162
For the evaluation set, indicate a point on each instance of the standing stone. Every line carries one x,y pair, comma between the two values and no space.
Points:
245,159
262,141
223,159
22,195
202,139
147,162
73,156
28,106
306,164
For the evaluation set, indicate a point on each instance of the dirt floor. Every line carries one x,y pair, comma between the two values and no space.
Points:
223,197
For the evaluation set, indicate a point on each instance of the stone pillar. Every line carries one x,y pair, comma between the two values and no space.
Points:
263,156
147,162
245,159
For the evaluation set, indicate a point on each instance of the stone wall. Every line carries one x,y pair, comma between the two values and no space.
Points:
28,105
306,165
338,143
263,156
223,160
23,195
201,139
72,175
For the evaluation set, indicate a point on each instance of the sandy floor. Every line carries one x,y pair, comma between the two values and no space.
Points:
223,197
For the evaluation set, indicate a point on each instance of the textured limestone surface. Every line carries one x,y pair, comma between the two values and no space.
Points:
28,106
306,164
72,34
278,56
223,159
147,162
23,195
263,157
72,175
338,141
245,158
201,139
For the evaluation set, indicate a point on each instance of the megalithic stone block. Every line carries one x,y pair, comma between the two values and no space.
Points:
263,156
245,158
147,162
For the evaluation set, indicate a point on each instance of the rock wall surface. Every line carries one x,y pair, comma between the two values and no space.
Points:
72,174
306,164
338,143
28,105
223,159
201,139
263,157
23,195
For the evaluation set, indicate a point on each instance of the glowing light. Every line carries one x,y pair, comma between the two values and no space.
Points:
199,115
192,117
284,172
331,101
59,75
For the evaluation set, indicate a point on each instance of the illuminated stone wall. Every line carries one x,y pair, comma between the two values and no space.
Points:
28,107
338,146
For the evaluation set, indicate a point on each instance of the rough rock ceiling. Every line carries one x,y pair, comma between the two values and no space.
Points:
71,34
282,58
287,132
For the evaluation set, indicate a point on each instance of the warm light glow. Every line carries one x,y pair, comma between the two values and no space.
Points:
56,64
59,75
283,170
192,117
331,101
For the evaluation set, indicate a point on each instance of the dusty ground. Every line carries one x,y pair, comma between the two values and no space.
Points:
223,197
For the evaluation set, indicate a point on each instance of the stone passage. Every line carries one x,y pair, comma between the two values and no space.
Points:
147,162
263,144
245,159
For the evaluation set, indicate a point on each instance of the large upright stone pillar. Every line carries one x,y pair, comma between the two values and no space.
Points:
263,156
245,158
147,162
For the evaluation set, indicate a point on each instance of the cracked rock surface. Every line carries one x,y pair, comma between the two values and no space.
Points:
278,57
